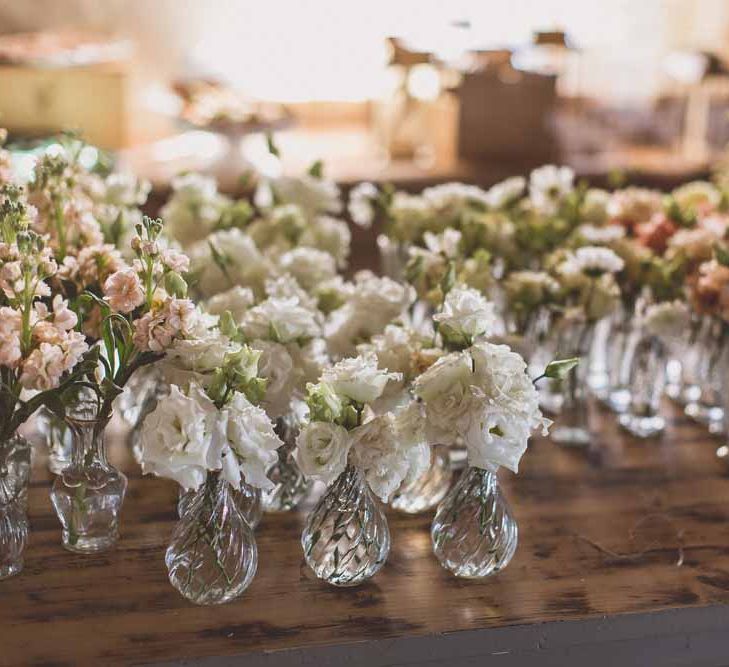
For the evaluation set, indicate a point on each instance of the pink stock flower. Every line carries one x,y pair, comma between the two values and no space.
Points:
123,290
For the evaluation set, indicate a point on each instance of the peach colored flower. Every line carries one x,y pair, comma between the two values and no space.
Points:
43,368
175,260
123,290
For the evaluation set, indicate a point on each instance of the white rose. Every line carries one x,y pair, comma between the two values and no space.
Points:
445,389
253,443
181,438
358,378
466,314
322,449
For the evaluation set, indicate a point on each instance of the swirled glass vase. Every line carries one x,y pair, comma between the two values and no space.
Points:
14,478
346,539
212,556
425,492
247,499
290,487
89,493
474,533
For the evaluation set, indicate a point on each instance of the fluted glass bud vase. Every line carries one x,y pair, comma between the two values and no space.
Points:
212,556
89,493
424,493
14,478
474,533
290,487
247,499
647,382
346,539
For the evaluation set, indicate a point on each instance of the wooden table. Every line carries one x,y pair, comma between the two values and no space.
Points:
623,559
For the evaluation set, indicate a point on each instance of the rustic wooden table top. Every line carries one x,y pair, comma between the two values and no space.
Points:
624,551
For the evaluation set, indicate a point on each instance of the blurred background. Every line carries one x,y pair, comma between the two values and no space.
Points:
402,91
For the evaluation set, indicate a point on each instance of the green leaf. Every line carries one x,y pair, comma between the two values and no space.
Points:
272,148
559,368
722,255
317,169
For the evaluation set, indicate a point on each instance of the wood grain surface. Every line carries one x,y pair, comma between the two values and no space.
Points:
627,527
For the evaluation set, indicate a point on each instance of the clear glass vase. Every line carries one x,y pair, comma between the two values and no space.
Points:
247,499
290,486
571,426
647,382
141,384
708,408
14,478
89,493
346,539
474,533
58,438
425,492
620,344
212,556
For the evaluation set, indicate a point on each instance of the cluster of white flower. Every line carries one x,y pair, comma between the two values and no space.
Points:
483,398
388,448
187,436
373,304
